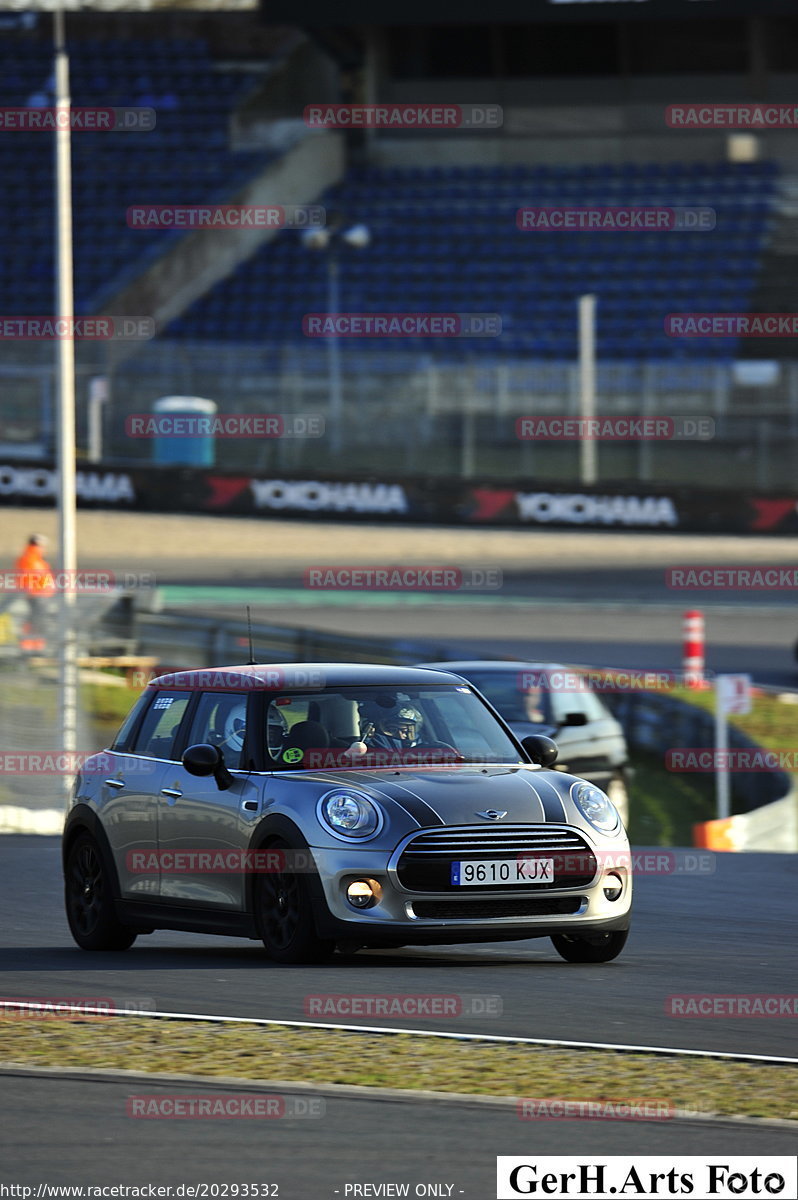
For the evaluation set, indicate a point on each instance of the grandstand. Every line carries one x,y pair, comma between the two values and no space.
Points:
187,154
445,239
583,125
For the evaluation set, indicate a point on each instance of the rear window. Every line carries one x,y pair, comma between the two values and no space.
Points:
158,733
122,739
528,704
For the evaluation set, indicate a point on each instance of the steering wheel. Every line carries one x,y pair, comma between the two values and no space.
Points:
440,746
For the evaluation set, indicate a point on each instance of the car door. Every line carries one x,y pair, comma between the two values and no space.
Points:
128,787
202,828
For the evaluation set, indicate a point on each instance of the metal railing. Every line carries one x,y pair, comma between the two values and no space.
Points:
412,413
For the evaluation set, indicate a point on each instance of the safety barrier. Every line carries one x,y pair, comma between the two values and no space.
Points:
657,723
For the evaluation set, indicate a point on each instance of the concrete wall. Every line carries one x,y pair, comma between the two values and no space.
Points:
656,722
771,828
585,121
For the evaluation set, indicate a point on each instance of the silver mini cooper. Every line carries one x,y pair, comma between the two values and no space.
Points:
317,806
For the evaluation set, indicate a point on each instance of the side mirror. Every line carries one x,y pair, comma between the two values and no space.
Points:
574,718
204,759
541,749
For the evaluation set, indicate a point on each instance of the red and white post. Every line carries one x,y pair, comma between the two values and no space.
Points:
693,643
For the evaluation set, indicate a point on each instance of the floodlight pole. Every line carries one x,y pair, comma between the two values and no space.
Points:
588,455
65,422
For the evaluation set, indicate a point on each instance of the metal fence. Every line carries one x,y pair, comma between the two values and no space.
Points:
414,413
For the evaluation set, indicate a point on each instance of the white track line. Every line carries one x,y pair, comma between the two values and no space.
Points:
622,1047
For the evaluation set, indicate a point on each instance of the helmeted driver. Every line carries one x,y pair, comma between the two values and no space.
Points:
399,729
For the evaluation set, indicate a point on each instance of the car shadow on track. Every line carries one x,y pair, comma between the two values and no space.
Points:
22,960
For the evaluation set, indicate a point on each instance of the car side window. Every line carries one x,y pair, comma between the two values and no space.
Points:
221,720
122,739
581,702
284,713
596,708
159,728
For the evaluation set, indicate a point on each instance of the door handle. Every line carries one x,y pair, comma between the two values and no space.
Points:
171,792
115,783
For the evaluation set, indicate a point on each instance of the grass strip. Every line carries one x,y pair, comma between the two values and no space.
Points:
665,805
400,1061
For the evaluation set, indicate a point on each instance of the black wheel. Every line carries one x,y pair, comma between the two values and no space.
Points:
284,915
89,899
599,948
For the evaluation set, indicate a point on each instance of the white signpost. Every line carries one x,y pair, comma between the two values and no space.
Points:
732,695
588,451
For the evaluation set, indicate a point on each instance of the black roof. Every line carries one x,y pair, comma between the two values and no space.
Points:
463,666
301,676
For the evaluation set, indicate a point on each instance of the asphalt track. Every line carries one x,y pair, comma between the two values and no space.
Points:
599,599
741,637
730,931
90,1139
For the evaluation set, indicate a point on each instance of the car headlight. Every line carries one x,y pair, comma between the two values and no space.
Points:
350,814
596,807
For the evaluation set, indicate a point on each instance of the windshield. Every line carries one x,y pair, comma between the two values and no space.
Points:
378,726
514,697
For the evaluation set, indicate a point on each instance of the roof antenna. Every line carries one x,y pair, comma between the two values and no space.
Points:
252,661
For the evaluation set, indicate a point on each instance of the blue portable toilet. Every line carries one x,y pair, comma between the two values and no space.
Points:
178,448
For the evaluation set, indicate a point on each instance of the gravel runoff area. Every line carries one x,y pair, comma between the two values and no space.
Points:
180,545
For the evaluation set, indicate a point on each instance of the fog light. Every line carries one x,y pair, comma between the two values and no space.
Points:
613,886
362,893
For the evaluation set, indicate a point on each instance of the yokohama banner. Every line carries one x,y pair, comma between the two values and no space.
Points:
522,503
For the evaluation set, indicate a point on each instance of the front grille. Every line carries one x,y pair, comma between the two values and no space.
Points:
477,910
425,863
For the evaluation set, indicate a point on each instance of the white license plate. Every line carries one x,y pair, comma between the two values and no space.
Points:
472,873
